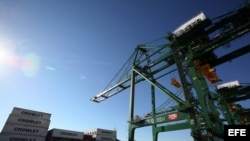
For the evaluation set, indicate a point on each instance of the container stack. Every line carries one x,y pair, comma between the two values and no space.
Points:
102,134
64,135
24,124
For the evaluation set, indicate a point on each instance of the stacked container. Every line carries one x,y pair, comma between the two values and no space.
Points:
65,135
102,134
24,124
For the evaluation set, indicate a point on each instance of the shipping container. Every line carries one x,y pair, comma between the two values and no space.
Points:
15,137
229,85
28,121
99,131
30,113
24,130
66,134
104,138
189,24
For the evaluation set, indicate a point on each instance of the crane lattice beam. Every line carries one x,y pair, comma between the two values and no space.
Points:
191,52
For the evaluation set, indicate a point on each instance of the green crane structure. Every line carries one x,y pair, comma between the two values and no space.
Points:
190,52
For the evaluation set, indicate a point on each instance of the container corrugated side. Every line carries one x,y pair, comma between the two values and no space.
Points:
30,113
104,138
24,130
28,121
67,134
106,132
15,137
99,131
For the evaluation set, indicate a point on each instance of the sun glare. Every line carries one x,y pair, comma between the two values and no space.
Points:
4,71
6,50
28,64
3,55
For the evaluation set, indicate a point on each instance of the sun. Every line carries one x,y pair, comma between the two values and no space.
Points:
7,51
3,54
27,63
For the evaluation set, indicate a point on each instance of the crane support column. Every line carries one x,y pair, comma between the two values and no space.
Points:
131,108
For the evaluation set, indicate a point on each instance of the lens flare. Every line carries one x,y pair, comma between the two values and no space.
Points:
30,64
10,60
50,68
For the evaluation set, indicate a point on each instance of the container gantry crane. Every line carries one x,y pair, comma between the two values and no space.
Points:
190,51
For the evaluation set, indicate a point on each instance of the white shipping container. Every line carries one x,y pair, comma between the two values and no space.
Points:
24,130
30,113
99,131
104,138
67,134
27,121
15,137
229,85
190,23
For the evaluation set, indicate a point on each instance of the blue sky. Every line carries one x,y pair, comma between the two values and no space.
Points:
57,54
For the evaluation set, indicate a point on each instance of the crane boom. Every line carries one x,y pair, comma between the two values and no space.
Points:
124,80
190,51
121,81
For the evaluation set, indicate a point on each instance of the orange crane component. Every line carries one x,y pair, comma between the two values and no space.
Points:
175,83
207,71
210,73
